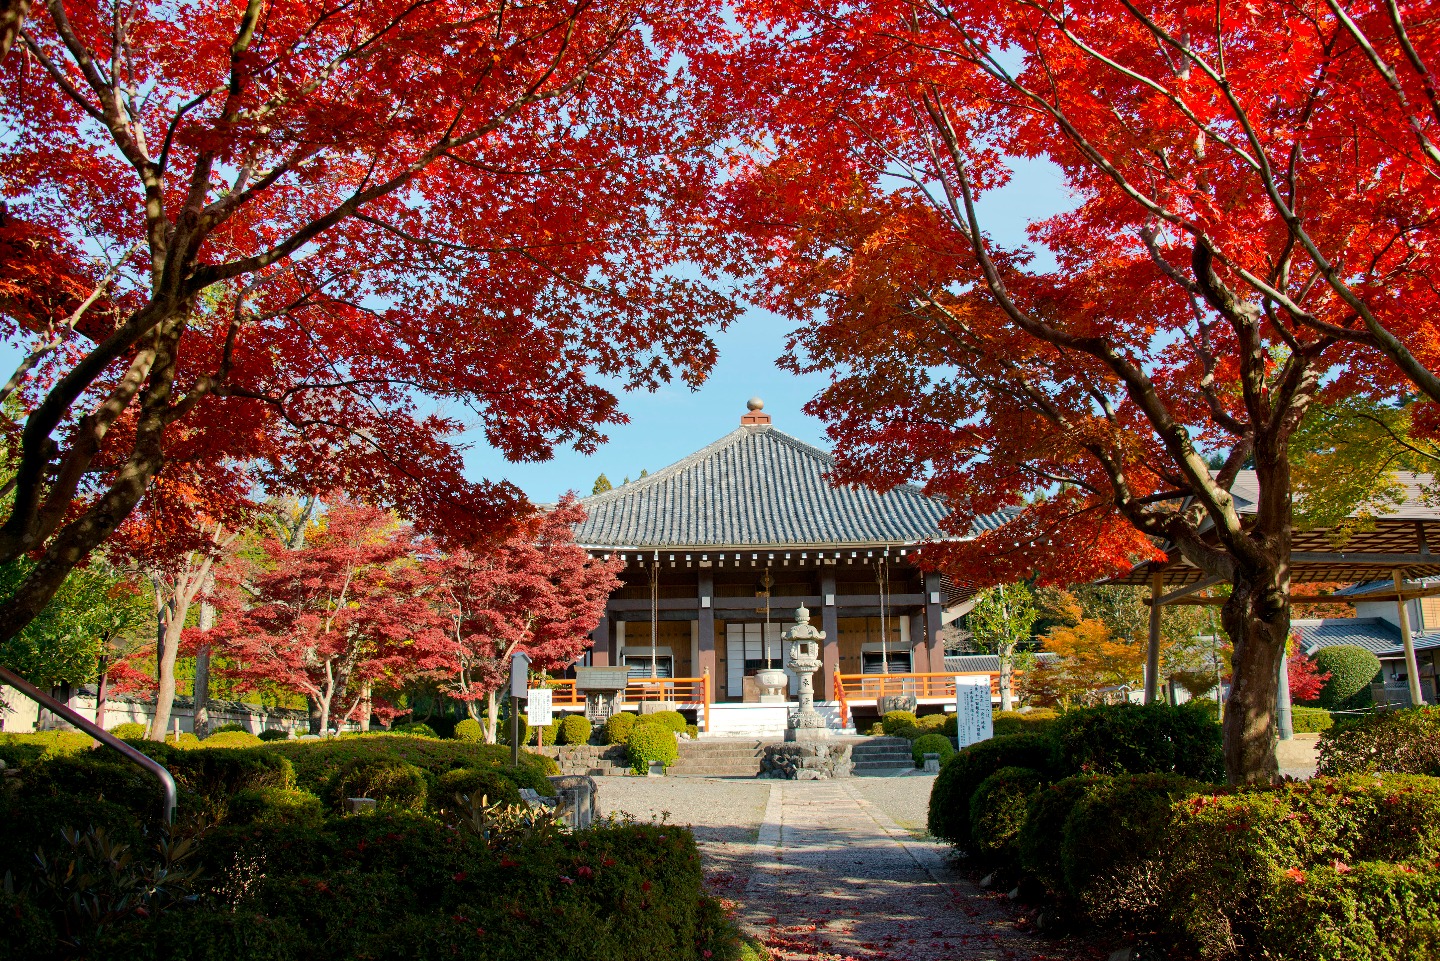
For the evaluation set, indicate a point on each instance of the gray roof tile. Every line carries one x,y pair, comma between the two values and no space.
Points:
1378,636
759,486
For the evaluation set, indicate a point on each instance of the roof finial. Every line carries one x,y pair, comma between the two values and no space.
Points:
755,415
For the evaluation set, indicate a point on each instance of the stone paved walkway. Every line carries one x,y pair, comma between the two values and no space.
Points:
833,875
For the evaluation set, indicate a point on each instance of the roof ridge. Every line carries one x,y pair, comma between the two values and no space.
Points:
649,480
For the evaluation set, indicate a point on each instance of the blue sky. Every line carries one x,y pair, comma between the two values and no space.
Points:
675,421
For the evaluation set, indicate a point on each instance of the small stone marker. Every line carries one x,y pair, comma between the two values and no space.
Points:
932,764
357,805
972,710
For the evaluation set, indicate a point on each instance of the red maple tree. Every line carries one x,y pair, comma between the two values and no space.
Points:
352,611
539,592
304,247
1305,678
1253,190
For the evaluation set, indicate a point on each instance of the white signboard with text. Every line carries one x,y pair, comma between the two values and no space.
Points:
537,709
972,710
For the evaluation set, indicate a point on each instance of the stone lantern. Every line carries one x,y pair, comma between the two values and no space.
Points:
805,724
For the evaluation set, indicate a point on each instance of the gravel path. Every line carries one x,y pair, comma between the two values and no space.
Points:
835,869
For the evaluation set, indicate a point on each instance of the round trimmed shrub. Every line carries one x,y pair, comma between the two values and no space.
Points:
670,720
470,730
549,734
473,783
1043,832
1139,739
575,729
1351,670
275,806
388,780
652,744
931,744
524,776
1399,742
1119,824
951,727
232,739
227,728
1311,720
414,729
949,815
619,726
896,722
274,734
932,723
692,731
130,731
998,808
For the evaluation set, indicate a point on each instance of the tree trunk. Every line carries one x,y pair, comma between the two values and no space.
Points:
202,672
1257,618
1007,671
323,704
12,18
102,690
365,709
493,710
313,707
168,647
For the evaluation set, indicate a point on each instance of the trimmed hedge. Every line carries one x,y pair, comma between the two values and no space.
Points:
1115,827
575,729
470,730
1139,739
931,744
1400,742
130,731
1018,722
652,744
1310,720
473,783
670,720
17,750
316,762
389,781
1350,668
951,727
1375,911
949,814
1043,833
414,729
619,726
231,739
276,806
273,734
997,811
897,723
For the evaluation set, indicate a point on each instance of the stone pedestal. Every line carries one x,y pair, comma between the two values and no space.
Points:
805,724
806,762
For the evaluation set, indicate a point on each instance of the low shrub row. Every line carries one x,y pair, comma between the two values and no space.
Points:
1310,720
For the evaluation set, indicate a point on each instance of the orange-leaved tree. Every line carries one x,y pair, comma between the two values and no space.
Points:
304,246
1255,192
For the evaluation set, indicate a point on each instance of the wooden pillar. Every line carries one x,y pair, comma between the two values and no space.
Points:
932,621
920,646
706,617
600,642
830,624
1152,652
1412,666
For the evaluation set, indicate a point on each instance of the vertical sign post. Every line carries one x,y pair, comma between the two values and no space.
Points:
972,710
519,689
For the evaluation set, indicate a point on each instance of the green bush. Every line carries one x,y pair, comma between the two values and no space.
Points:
997,811
619,726
274,734
932,723
529,777
951,727
894,722
651,744
549,734
130,731
275,806
670,720
317,762
949,814
227,728
1116,827
414,729
104,778
389,781
1310,720
931,744
1139,739
16,750
1400,742
876,730
1350,668
692,731
470,730
473,783
231,739
1043,832
575,729
1378,912
1018,722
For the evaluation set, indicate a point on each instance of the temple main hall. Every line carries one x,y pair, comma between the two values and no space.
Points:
722,547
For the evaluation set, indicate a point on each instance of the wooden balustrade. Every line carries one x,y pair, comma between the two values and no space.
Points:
872,687
681,690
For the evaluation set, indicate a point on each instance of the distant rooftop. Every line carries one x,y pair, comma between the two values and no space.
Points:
1378,636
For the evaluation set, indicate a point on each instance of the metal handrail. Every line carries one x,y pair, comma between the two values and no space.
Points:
167,783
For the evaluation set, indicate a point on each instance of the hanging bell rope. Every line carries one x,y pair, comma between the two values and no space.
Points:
654,614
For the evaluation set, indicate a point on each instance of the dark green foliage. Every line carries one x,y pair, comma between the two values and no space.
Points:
317,762
951,727
470,730
29,821
1139,739
104,777
473,783
931,744
529,777
693,730
275,806
1043,832
949,817
897,723
652,744
549,734
1117,826
1402,742
1350,668
207,933
619,726
227,728
274,734
390,781
1378,912
670,720
1018,722
997,811
1310,720
414,729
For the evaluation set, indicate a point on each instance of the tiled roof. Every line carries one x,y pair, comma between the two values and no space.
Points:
759,486
1416,504
965,663
1378,636
1387,585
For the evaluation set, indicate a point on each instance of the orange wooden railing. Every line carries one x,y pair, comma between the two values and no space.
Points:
872,687
684,690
